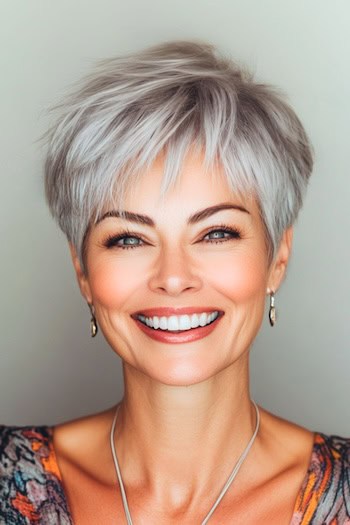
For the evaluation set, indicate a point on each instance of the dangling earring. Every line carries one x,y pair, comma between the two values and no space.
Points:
93,322
272,310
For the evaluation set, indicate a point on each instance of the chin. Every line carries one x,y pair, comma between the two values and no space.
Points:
182,374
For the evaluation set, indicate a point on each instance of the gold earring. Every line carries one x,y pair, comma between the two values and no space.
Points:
93,322
272,310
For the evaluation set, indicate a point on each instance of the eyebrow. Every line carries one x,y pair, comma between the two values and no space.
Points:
193,219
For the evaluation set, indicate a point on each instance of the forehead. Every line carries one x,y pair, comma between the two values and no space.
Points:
196,186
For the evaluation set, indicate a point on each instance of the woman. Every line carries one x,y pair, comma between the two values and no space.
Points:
177,180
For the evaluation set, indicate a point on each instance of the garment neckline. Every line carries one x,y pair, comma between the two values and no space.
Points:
296,508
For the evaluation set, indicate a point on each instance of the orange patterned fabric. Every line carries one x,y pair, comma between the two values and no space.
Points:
31,490
324,497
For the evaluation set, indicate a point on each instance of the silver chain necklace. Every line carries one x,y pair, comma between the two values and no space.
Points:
224,489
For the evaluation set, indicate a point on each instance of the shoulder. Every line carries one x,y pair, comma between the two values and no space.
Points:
80,446
23,449
325,494
331,457
30,487
335,445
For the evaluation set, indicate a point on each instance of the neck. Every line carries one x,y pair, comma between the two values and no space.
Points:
183,433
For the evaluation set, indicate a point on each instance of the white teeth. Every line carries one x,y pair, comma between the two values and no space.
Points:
203,319
173,323
194,321
185,322
163,323
176,323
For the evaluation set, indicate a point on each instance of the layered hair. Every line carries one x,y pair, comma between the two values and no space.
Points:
167,99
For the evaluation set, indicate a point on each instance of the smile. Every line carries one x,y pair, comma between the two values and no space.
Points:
176,323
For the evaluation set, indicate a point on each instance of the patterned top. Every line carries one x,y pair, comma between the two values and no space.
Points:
31,491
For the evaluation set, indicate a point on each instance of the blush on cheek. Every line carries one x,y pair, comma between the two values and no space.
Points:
240,279
112,287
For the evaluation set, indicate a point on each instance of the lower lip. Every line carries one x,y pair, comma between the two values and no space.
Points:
187,336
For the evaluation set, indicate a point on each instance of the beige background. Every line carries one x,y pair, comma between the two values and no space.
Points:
50,369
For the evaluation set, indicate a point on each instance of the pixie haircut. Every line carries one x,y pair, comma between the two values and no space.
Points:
167,99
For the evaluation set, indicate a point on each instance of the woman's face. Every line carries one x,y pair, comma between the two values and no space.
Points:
199,250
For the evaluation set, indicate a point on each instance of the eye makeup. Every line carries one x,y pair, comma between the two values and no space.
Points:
114,241
232,233
127,239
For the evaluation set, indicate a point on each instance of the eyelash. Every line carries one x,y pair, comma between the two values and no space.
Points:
112,240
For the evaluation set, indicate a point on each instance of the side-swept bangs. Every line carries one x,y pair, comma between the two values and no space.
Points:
168,99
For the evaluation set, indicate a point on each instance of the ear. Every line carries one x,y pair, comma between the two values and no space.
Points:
279,264
81,276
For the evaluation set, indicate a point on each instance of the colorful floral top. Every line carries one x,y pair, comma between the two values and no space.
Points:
31,491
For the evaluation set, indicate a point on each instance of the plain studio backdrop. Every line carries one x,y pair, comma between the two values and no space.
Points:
50,368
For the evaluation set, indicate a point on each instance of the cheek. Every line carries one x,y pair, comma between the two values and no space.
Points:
242,277
112,283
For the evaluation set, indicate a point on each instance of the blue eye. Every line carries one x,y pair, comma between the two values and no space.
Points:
218,234
222,234
123,241
128,241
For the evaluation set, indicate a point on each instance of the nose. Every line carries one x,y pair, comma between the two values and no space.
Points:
174,274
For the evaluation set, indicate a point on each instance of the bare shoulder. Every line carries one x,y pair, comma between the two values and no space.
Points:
280,429
280,460
289,444
274,472
81,443
71,431
81,438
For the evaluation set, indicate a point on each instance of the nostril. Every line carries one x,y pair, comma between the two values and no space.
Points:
174,285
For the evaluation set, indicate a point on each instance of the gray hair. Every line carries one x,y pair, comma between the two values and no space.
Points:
168,98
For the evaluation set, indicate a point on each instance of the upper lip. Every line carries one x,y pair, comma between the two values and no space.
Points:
167,311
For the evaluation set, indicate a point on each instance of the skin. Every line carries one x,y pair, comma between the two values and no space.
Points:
186,415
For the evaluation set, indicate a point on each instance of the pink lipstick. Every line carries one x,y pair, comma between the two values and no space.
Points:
178,325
